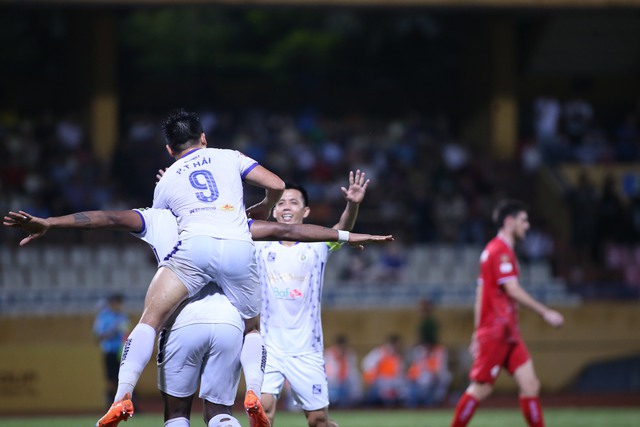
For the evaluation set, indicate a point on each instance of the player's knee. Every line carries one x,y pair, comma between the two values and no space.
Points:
531,387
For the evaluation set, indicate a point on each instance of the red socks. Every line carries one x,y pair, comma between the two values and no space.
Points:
464,410
532,411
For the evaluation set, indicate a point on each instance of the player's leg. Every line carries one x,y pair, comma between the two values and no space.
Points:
309,387
177,410
274,378
492,355
253,356
237,274
165,293
181,355
319,418
524,373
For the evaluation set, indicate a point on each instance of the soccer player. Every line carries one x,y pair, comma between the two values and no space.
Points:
496,342
291,277
205,314
203,189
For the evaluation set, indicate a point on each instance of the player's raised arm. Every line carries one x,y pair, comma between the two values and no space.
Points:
128,220
274,187
268,230
354,196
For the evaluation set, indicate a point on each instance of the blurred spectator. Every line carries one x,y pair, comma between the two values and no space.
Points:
384,374
391,265
547,112
577,114
609,217
627,143
538,244
582,200
343,375
428,375
356,271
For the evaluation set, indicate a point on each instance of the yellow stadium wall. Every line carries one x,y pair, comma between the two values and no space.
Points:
53,364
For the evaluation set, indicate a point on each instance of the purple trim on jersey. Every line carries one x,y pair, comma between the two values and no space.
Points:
189,152
144,223
249,169
175,249
249,223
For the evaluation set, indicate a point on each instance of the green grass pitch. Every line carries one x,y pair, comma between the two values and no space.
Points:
566,417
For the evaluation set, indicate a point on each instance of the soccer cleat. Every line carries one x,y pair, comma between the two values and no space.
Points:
257,417
119,411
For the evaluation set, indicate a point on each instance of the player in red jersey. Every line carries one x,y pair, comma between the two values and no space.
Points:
496,342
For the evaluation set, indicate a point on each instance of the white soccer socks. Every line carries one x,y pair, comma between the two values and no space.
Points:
135,356
223,420
253,359
177,422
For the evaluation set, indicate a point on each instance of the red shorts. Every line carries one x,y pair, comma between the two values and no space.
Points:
494,354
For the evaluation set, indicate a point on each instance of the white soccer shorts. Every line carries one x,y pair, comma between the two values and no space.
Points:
305,374
205,353
229,263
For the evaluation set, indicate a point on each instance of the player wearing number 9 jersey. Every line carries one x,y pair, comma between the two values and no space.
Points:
204,191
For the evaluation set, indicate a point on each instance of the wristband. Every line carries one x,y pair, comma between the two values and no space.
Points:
343,236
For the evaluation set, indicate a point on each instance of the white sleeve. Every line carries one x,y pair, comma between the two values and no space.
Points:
247,164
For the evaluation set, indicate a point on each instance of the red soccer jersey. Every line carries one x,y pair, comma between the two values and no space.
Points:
499,312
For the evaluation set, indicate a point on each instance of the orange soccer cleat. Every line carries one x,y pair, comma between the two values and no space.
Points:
119,411
257,417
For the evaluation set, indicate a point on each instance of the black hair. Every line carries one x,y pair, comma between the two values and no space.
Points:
116,297
506,208
300,188
182,129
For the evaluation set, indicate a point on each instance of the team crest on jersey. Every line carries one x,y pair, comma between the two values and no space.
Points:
505,265
271,256
303,257
227,207
317,389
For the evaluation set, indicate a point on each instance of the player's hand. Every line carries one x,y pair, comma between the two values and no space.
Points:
259,211
160,174
553,318
357,187
358,240
473,346
36,227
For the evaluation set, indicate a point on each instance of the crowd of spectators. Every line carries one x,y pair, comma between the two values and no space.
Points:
427,185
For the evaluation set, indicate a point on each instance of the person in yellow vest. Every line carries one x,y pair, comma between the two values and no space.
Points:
428,375
384,373
343,375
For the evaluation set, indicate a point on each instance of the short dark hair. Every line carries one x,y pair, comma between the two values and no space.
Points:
182,129
506,208
116,298
300,188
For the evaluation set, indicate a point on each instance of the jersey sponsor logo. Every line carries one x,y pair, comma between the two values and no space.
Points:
227,207
286,293
317,389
